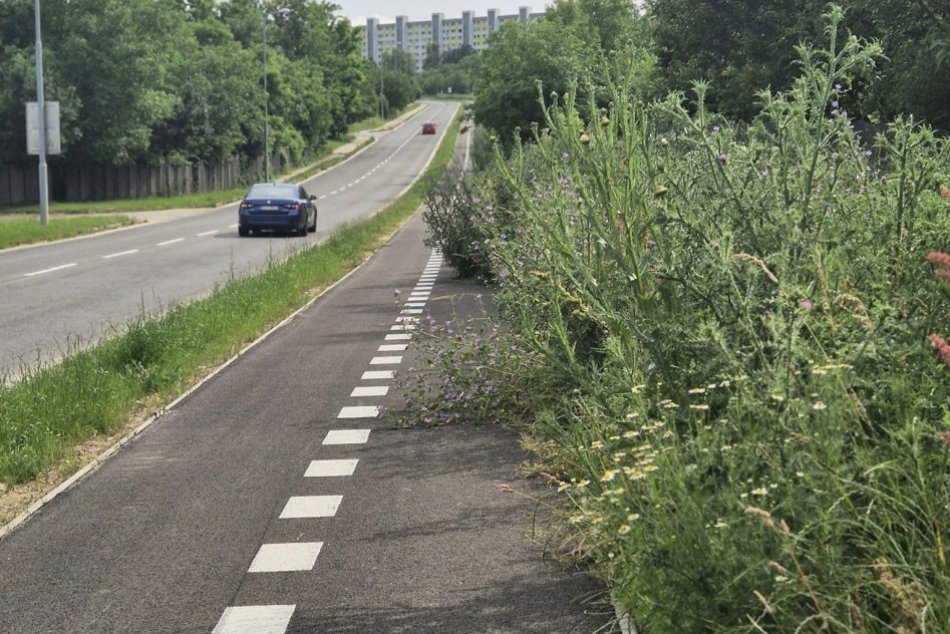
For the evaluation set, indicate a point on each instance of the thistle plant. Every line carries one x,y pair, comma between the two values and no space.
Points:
750,432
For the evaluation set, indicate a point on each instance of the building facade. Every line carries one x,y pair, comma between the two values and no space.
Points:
447,34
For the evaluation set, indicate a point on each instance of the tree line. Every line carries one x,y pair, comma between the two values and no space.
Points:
738,48
141,81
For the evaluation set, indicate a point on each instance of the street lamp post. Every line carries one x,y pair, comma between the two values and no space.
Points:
266,123
41,107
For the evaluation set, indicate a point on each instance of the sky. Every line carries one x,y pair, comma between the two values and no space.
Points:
387,10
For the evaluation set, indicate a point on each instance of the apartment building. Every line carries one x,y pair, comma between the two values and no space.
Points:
448,34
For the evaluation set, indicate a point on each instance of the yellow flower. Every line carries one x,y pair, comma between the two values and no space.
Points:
818,406
631,434
760,491
698,390
702,407
624,529
633,517
609,475
597,445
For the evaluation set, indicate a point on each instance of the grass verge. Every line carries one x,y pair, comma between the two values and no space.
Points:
49,413
20,229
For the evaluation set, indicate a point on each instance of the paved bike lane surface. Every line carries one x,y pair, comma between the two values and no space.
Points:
282,497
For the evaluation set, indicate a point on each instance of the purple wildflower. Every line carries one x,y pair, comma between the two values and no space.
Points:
723,159
806,304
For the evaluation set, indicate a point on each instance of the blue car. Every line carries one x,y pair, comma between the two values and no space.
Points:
277,207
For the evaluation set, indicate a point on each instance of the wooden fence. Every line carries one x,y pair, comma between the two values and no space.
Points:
18,184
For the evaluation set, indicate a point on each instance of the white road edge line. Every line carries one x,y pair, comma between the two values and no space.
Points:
51,269
119,254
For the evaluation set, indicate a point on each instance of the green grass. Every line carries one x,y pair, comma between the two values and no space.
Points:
21,229
49,411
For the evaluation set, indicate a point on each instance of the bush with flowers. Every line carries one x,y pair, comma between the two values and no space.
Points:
755,430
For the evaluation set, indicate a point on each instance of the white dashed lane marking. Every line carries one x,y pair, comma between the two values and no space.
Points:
411,311
392,347
374,375
311,506
398,337
331,468
286,557
255,619
370,390
386,360
167,242
359,411
51,269
346,437
207,233
403,327
119,254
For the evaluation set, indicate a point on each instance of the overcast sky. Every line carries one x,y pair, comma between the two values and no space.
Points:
387,10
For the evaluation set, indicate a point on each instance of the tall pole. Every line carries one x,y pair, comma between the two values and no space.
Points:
381,95
266,123
41,106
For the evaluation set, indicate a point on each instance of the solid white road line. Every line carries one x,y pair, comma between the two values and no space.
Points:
50,270
385,360
359,411
255,619
309,506
286,557
374,375
370,390
392,347
346,437
331,468
119,254
398,337
167,242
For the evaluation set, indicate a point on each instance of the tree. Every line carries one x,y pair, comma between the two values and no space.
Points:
432,58
547,56
742,47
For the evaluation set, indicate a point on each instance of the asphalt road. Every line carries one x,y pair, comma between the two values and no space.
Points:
278,498
62,295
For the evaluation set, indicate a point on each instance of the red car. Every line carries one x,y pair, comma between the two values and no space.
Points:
428,128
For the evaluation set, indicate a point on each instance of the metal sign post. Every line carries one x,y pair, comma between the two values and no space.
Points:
41,107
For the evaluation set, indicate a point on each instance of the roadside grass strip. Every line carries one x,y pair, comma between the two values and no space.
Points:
50,410
26,229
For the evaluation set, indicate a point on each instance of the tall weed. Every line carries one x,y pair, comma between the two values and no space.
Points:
754,434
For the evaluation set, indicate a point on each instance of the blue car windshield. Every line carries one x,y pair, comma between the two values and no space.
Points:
273,191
